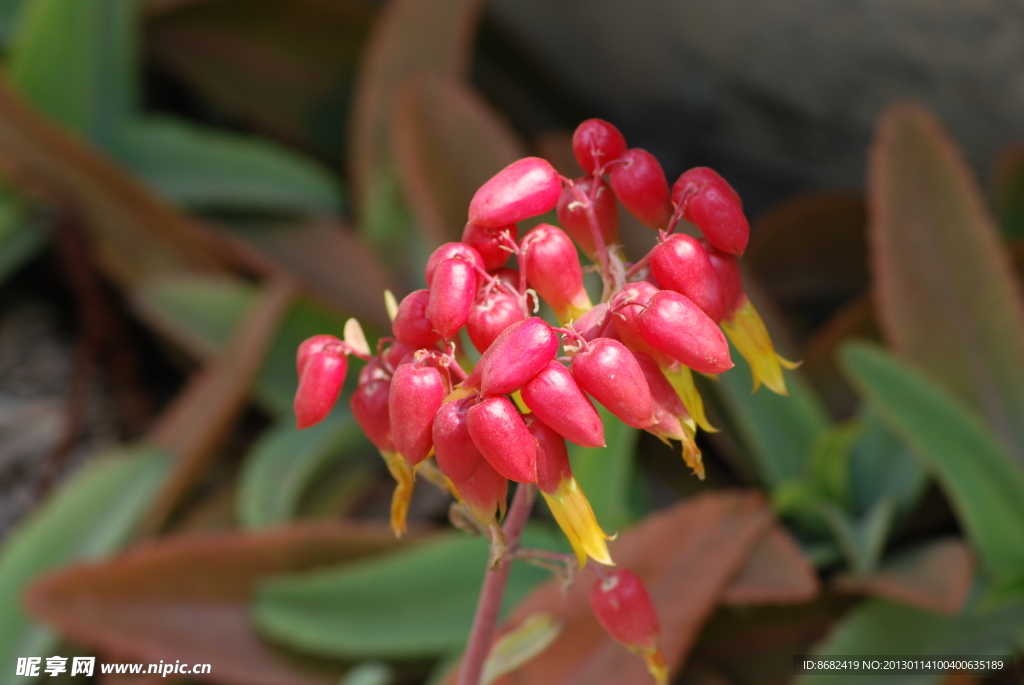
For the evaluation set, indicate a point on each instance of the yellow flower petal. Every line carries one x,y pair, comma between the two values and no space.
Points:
405,482
682,380
747,332
656,665
577,308
691,453
574,515
518,397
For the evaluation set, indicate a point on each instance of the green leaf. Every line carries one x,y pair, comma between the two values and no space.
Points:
283,462
21,236
200,313
10,13
516,648
882,466
605,474
369,673
982,482
863,541
213,170
778,432
417,602
829,462
77,61
89,517
881,627
947,298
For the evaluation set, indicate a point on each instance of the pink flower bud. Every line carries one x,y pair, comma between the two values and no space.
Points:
320,381
523,189
369,406
696,178
484,491
516,356
627,305
452,292
673,324
728,269
450,251
595,143
553,270
395,355
557,401
417,392
714,207
592,324
552,455
501,436
572,214
490,316
411,325
312,346
456,455
668,408
609,372
641,187
491,242
681,264
624,609
508,276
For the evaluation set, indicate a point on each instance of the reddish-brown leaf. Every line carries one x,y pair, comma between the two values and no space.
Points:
409,37
1008,191
187,598
686,557
935,577
947,300
775,572
448,142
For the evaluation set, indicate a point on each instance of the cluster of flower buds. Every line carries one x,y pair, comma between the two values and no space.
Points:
509,415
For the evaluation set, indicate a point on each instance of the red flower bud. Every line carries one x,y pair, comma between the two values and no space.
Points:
521,190
417,392
609,372
396,355
572,214
673,324
369,406
501,436
641,187
456,455
552,455
450,251
411,325
714,207
595,143
728,269
320,380
490,316
681,264
508,276
668,408
312,346
491,243
517,355
553,270
696,178
557,401
484,491
626,318
624,609
592,324
452,292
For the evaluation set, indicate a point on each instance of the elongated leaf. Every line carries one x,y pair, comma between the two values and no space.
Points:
77,62
606,474
983,483
10,12
517,647
415,603
282,463
947,299
90,516
882,466
186,598
284,68
881,627
778,431
213,170
448,142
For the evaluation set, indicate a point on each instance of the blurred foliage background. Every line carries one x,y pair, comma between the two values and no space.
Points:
189,188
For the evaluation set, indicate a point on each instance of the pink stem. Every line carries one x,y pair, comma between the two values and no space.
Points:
486,620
